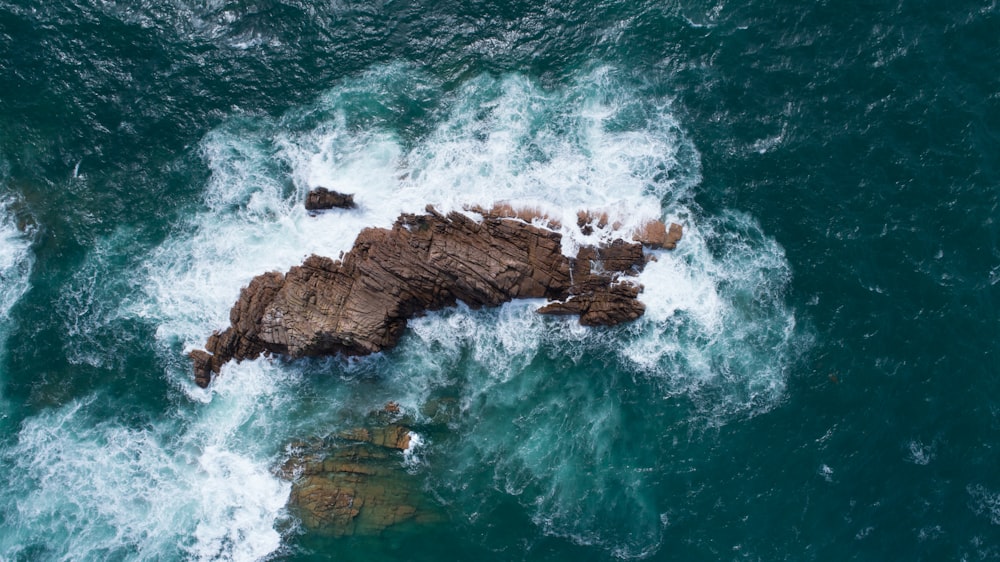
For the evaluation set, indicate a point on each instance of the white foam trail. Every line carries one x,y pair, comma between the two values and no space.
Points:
92,304
919,453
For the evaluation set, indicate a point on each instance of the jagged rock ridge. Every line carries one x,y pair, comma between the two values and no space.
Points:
360,304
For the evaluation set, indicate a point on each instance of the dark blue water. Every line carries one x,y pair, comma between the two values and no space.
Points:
815,377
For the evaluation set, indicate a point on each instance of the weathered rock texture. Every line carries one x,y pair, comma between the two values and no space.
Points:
322,198
360,305
354,483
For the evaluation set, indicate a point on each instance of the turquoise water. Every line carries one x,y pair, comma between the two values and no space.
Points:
815,377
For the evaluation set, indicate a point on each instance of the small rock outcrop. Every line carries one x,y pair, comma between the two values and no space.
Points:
360,304
322,198
656,235
354,484
366,480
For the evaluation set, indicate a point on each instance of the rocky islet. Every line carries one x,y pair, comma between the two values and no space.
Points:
360,304
352,483
322,199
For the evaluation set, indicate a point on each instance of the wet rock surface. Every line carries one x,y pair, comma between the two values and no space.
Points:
656,235
355,483
592,297
321,198
360,304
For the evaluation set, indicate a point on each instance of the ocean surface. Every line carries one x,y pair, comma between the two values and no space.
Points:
817,376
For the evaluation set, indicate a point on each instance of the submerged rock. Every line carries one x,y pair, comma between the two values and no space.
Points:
360,305
322,198
355,483
390,437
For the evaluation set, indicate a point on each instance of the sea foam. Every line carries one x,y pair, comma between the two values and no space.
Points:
16,258
186,487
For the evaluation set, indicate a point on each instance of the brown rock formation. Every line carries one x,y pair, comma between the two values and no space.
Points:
673,236
655,235
391,437
360,305
322,198
587,219
352,485
592,296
